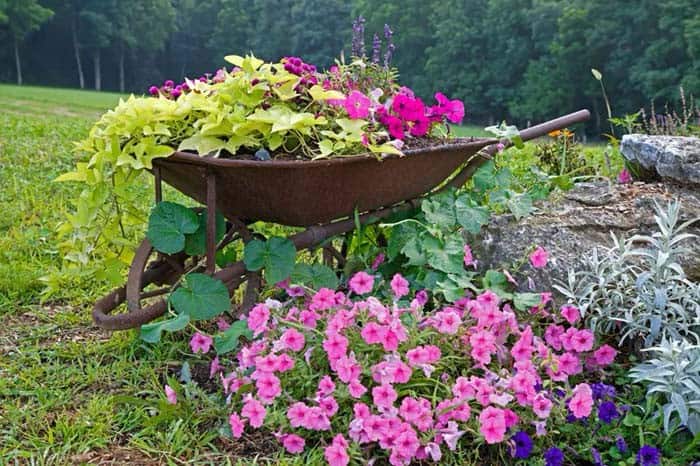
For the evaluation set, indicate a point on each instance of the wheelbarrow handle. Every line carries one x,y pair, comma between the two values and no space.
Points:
562,122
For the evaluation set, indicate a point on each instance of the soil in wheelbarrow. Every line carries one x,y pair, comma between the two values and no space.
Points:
411,144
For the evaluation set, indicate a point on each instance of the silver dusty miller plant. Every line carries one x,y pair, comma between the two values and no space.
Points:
674,374
636,288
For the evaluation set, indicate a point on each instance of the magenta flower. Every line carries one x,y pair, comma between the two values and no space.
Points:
492,424
153,90
624,177
361,283
200,342
237,425
357,105
254,411
570,313
336,454
379,260
468,256
293,443
293,339
581,403
170,395
257,319
419,127
399,286
604,355
395,127
452,109
539,257
384,396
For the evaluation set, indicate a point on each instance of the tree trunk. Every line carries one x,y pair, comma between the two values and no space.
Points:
76,50
18,65
98,73
121,69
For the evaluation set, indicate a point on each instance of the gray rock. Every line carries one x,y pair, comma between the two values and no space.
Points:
570,224
672,157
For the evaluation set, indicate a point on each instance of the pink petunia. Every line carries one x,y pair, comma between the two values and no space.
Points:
357,105
356,389
541,406
257,319
293,339
570,313
624,177
570,364
492,424
268,386
361,283
254,411
419,127
296,414
200,342
384,396
604,355
539,257
581,403
323,299
170,395
399,286
469,257
582,341
325,386
447,321
293,443
237,425
373,333
336,454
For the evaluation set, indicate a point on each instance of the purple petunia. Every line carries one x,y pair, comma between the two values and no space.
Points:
621,444
648,456
597,459
601,391
523,445
553,457
607,411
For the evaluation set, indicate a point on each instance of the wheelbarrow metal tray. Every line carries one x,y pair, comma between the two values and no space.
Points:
305,193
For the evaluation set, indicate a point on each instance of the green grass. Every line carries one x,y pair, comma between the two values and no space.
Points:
466,131
73,394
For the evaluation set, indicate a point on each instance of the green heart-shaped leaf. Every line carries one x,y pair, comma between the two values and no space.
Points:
315,275
228,340
201,297
167,226
151,332
276,256
196,243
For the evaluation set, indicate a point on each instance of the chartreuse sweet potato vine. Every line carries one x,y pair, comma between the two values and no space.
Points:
267,109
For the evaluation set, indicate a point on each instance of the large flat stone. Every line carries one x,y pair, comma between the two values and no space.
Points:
572,223
672,157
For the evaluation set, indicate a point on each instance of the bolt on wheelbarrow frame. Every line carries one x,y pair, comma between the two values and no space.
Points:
168,269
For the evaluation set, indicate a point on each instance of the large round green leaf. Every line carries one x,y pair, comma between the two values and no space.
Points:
151,332
276,256
167,226
201,297
196,243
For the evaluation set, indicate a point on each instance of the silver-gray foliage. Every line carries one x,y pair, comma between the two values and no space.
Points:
636,288
674,373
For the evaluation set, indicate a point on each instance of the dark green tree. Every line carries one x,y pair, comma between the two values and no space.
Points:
141,25
22,17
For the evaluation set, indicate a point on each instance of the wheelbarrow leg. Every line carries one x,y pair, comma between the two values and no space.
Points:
211,221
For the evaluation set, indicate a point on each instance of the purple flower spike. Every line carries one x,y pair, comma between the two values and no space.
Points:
153,90
169,83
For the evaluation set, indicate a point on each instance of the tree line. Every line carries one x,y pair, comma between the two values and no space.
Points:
522,60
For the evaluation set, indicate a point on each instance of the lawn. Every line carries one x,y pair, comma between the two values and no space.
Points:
73,394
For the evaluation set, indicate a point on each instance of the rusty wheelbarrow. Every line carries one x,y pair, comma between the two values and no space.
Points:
319,195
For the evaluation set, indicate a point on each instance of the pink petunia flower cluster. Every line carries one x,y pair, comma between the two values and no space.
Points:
355,374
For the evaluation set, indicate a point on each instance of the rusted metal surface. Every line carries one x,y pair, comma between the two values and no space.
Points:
313,192
304,193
